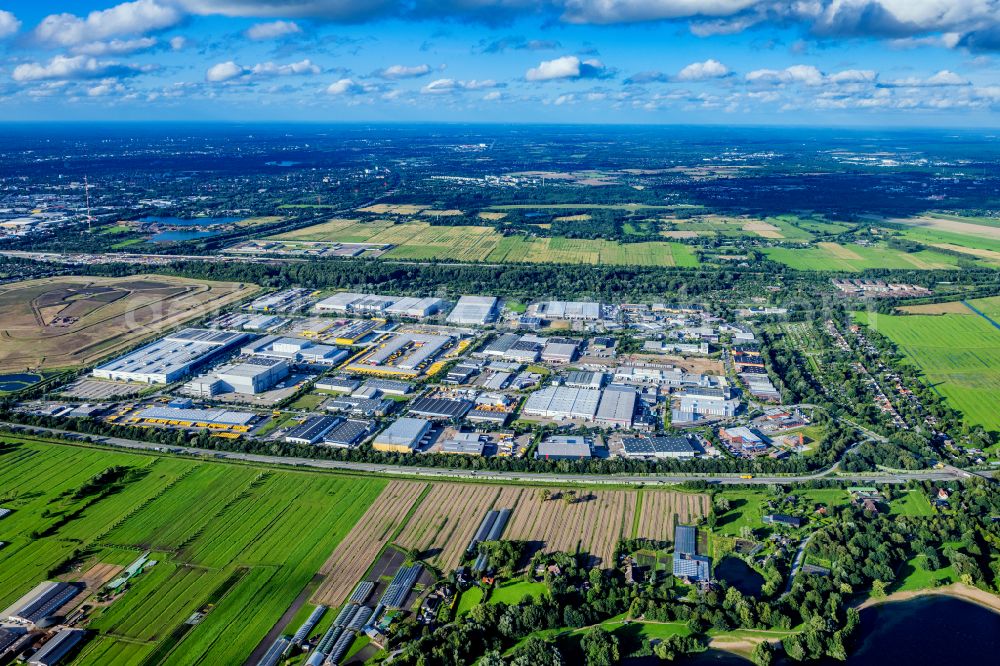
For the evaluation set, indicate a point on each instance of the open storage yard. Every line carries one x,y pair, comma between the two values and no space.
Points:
70,321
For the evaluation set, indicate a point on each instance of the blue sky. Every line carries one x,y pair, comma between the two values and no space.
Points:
818,62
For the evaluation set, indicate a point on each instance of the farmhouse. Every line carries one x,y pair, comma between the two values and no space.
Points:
170,358
403,436
57,647
782,519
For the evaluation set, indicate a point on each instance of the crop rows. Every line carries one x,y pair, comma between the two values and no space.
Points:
371,532
446,520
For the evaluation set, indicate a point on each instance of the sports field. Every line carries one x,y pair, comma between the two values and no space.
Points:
837,257
417,241
69,321
959,354
237,541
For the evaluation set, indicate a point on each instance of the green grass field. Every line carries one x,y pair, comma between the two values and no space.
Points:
471,597
853,258
244,539
420,241
959,355
512,593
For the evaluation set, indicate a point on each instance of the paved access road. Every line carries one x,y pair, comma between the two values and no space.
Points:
543,478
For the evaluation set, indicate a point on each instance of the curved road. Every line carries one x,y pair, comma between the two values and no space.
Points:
532,477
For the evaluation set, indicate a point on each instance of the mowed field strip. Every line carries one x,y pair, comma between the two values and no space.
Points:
70,321
418,240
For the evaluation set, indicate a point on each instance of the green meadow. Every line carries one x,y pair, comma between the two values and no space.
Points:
959,355
238,541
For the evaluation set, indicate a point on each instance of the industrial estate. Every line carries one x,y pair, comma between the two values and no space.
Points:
415,403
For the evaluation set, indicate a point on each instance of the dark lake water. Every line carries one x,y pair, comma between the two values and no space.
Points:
740,575
18,380
929,631
191,222
175,236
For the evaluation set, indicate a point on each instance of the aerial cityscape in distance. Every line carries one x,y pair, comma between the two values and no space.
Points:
499,332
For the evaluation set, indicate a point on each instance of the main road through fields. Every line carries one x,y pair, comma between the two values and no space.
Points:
947,473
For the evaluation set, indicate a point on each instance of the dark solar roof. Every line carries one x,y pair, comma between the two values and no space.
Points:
313,428
441,407
685,539
347,433
651,445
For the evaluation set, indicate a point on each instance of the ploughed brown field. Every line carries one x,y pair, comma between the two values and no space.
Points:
69,321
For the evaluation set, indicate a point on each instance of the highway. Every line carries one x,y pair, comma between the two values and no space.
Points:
895,477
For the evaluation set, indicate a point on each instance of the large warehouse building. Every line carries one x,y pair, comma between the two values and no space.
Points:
255,375
170,358
474,311
617,406
562,402
667,446
295,350
412,307
403,436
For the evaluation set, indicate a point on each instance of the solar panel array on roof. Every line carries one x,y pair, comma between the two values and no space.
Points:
169,358
442,408
41,602
685,539
348,433
312,429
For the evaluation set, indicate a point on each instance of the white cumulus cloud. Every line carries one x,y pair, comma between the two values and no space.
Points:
223,71
566,67
116,46
701,71
345,87
805,74
68,68
8,24
128,18
394,72
272,30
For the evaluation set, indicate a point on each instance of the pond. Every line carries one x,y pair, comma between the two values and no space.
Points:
740,575
190,222
17,381
177,236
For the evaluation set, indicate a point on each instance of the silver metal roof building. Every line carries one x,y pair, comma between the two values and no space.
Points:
41,602
562,402
170,358
249,377
405,432
295,350
57,647
464,443
563,447
617,406
584,379
213,416
474,310
580,310
374,304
